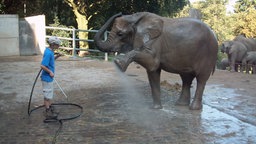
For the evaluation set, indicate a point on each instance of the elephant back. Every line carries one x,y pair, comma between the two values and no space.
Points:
249,43
251,56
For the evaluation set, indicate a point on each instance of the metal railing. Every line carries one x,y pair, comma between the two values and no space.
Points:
73,39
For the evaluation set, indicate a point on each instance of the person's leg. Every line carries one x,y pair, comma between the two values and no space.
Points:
47,103
48,96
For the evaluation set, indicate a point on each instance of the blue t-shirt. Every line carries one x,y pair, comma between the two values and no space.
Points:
48,61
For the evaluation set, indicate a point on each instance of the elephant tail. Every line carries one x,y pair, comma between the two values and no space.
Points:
213,70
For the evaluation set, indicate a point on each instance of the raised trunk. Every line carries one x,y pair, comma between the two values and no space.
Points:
104,46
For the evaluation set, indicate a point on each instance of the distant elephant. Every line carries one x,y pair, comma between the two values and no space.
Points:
236,52
251,61
224,64
184,46
249,43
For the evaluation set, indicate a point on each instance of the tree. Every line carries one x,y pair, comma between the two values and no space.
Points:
213,14
79,8
243,5
88,14
245,16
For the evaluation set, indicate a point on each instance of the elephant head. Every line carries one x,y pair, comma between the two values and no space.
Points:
129,34
226,46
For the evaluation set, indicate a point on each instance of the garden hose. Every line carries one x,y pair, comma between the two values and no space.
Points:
42,106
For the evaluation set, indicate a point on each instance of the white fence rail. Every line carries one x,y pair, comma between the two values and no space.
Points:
74,40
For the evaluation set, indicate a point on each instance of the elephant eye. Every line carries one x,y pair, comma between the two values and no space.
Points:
120,34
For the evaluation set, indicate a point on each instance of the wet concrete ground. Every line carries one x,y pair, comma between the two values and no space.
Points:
116,108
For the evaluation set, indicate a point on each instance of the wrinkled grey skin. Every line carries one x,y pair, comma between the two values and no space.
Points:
236,52
224,64
249,43
184,46
251,61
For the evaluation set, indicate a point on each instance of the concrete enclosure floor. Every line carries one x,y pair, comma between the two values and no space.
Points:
116,106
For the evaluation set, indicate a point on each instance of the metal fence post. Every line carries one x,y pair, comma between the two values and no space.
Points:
74,42
105,38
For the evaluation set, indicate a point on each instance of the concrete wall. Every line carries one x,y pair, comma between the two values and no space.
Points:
32,35
9,35
22,37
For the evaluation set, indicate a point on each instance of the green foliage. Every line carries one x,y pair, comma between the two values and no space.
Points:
245,16
102,9
226,26
60,33
2,8
243,5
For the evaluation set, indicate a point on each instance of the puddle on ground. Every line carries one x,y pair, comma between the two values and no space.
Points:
221,120
231,102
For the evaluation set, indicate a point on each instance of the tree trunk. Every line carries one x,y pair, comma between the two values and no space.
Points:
82,23
195,13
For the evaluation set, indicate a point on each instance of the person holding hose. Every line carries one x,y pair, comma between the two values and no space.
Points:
47,75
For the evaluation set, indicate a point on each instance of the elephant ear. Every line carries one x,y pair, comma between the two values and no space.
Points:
148,28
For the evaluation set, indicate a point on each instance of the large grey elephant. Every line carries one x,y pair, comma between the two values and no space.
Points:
236,52
251,61
249,43
184,46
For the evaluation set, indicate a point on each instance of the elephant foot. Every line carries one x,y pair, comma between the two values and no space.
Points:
196,105
157,106
122,66
232,70
182,102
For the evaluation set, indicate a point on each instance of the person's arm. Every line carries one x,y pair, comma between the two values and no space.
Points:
47,70
57,55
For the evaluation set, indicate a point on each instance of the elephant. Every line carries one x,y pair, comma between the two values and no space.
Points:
249,43
251,61
236,52
224,64
185,46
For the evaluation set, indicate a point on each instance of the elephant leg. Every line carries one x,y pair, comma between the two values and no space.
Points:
154,81
254,69
145,59
184,98
123,61
197,101
236,67
249,67
232,58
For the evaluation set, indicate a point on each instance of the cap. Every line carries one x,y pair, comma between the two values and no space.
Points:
54,40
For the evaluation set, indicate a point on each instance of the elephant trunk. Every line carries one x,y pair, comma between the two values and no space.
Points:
104,46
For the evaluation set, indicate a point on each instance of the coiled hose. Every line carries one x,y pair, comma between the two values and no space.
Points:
53,120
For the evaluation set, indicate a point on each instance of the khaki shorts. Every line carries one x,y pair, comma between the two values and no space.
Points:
47,89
